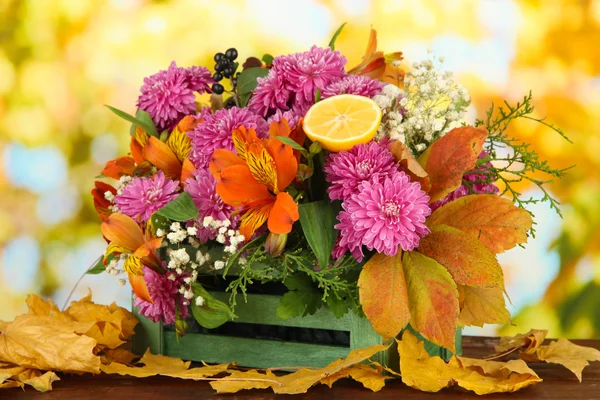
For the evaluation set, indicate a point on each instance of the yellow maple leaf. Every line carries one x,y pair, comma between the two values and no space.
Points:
166,366
16,376
245,380
563,352
524,342
431,374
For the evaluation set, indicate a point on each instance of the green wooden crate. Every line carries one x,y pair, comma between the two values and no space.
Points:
267,353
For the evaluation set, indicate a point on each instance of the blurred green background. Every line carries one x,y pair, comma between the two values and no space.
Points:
62,60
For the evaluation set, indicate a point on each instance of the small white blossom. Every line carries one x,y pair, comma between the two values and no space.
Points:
121,282
171,277
188,294
220,238
219,265
199,301
108,195
192,230
160,233
175,226
207,221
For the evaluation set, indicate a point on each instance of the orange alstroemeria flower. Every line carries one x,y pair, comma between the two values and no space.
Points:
379,66
255,180
126,237
101,204
169,157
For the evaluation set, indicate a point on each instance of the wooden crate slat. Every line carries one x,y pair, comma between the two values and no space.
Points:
262,309
256,353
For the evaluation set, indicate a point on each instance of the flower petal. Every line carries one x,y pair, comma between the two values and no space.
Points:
254,218
221,159
283,214
136,151
187,171
118,167
285,163
100,202
139,287
237,187
147,253
162,157
242,137
123,231
261,165
179,142
133,265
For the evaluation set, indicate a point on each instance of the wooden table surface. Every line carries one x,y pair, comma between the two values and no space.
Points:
559,383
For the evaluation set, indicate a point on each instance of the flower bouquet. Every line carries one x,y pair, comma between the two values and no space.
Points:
352,200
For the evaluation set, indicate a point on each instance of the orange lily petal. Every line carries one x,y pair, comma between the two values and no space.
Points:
285,163
242,137
136,151
261,165
221,159
162,157
100,202
180,143
139,287
188,123
123,231
283,214
119,166
141,136
237,187
254,218
147,253
280,128
187,171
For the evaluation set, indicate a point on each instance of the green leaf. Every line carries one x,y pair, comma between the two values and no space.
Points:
267,59
335,36
318,95
317,220
181,209
246,83
293,144
302,299
337,306
213,313
142,119
100,267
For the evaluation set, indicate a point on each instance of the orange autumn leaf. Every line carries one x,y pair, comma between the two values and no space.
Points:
371,376
492,219
526,343
479,306
410,165
431,374
466,258
433,299
449,157
573,357
383,294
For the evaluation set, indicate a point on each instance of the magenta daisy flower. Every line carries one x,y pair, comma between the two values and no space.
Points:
346,170
270,94
169,95
215,132
165,296
386,215
144,196
353,84
479,179
310,70
203,189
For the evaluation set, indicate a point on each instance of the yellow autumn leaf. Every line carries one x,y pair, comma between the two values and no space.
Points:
431,374
47,343
119,355
245,380
370,376
573,357
480,306
167,366
14,376
525,342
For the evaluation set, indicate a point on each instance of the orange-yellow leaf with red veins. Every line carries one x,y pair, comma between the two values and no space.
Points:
383,294
449,157
492,219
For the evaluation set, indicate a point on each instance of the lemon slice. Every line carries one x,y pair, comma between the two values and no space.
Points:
341,122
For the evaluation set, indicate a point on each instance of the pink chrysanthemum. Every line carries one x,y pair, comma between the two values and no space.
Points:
143,196
270,94
169,95
478,178
353,84
202,188
165,295
346,170
310,70
215,133
385,215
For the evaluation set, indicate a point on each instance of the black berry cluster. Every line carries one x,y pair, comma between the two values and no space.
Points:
225,67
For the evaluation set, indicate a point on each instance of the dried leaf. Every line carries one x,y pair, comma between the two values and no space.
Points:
573,357
383,294
120,355
166,366
370,376
466,258
480,306
431,374
525,342
41,382
492,219
433,299
47,343
449,157
410,165
245,380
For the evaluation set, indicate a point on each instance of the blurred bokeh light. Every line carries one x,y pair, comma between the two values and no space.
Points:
62,60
